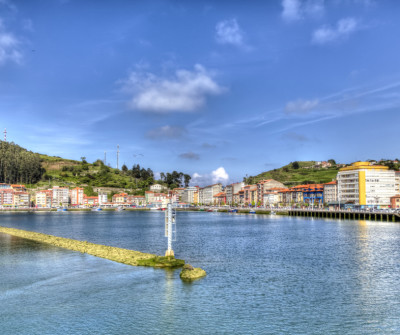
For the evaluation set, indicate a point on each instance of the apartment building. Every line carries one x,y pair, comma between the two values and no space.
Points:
220,199
201,195
188,194
209,192
102,198
6,197
266,185
77,195
60,196
270,199
22,199
90,201
43,199
330,192
250,194
363,184
395,201
119,198
230,190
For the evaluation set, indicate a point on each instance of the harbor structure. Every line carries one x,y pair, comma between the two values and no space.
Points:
170,228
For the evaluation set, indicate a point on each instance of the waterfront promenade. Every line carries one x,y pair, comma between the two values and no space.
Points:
345,214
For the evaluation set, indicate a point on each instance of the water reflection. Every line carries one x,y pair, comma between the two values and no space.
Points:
266,275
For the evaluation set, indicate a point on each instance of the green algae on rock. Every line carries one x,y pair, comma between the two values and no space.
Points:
190,273
125,256
162,262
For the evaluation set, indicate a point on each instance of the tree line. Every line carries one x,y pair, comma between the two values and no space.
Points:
18,165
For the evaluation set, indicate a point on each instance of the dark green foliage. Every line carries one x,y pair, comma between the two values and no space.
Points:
175,179
295,165
88,190
18,165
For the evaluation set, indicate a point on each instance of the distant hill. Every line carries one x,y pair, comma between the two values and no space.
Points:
304,172
18,165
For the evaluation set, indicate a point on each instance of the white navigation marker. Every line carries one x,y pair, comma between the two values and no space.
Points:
170,228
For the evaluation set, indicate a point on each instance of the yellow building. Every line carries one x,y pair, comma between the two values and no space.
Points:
365,184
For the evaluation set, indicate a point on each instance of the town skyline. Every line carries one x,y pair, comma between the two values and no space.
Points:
217,90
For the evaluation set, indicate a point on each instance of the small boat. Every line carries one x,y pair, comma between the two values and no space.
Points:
62,209
209,210
234,210
273,213
252,211
96,209
201,209
120,209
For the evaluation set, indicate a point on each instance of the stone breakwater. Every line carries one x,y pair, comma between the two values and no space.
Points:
125,256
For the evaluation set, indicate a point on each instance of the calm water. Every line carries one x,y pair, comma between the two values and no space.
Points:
266,275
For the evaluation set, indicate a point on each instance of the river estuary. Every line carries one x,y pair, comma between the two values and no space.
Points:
266,275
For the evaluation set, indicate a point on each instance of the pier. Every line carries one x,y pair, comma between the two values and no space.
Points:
346,215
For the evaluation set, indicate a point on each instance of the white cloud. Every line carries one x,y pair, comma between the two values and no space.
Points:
190,155
294,10
9,47
343,29
301,106
217,176
166,132
185,92
229,32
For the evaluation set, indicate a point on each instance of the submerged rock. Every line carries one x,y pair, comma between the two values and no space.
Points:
190,273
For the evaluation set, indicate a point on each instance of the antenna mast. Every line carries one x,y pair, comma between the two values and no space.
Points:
5,134
105,158
117,156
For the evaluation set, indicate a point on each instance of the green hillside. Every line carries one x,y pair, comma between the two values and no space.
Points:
65,172
304,173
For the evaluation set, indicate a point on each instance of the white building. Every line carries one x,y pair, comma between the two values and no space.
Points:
60,196
209,192
366,185
330,192
102,198
270,199
44,198
76,196
157,188
188,194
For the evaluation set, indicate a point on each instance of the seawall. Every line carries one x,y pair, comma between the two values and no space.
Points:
125,256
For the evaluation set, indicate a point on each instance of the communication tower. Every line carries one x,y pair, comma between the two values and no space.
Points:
5,134
105,158
117,156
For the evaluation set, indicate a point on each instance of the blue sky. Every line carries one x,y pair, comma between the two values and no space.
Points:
216,89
